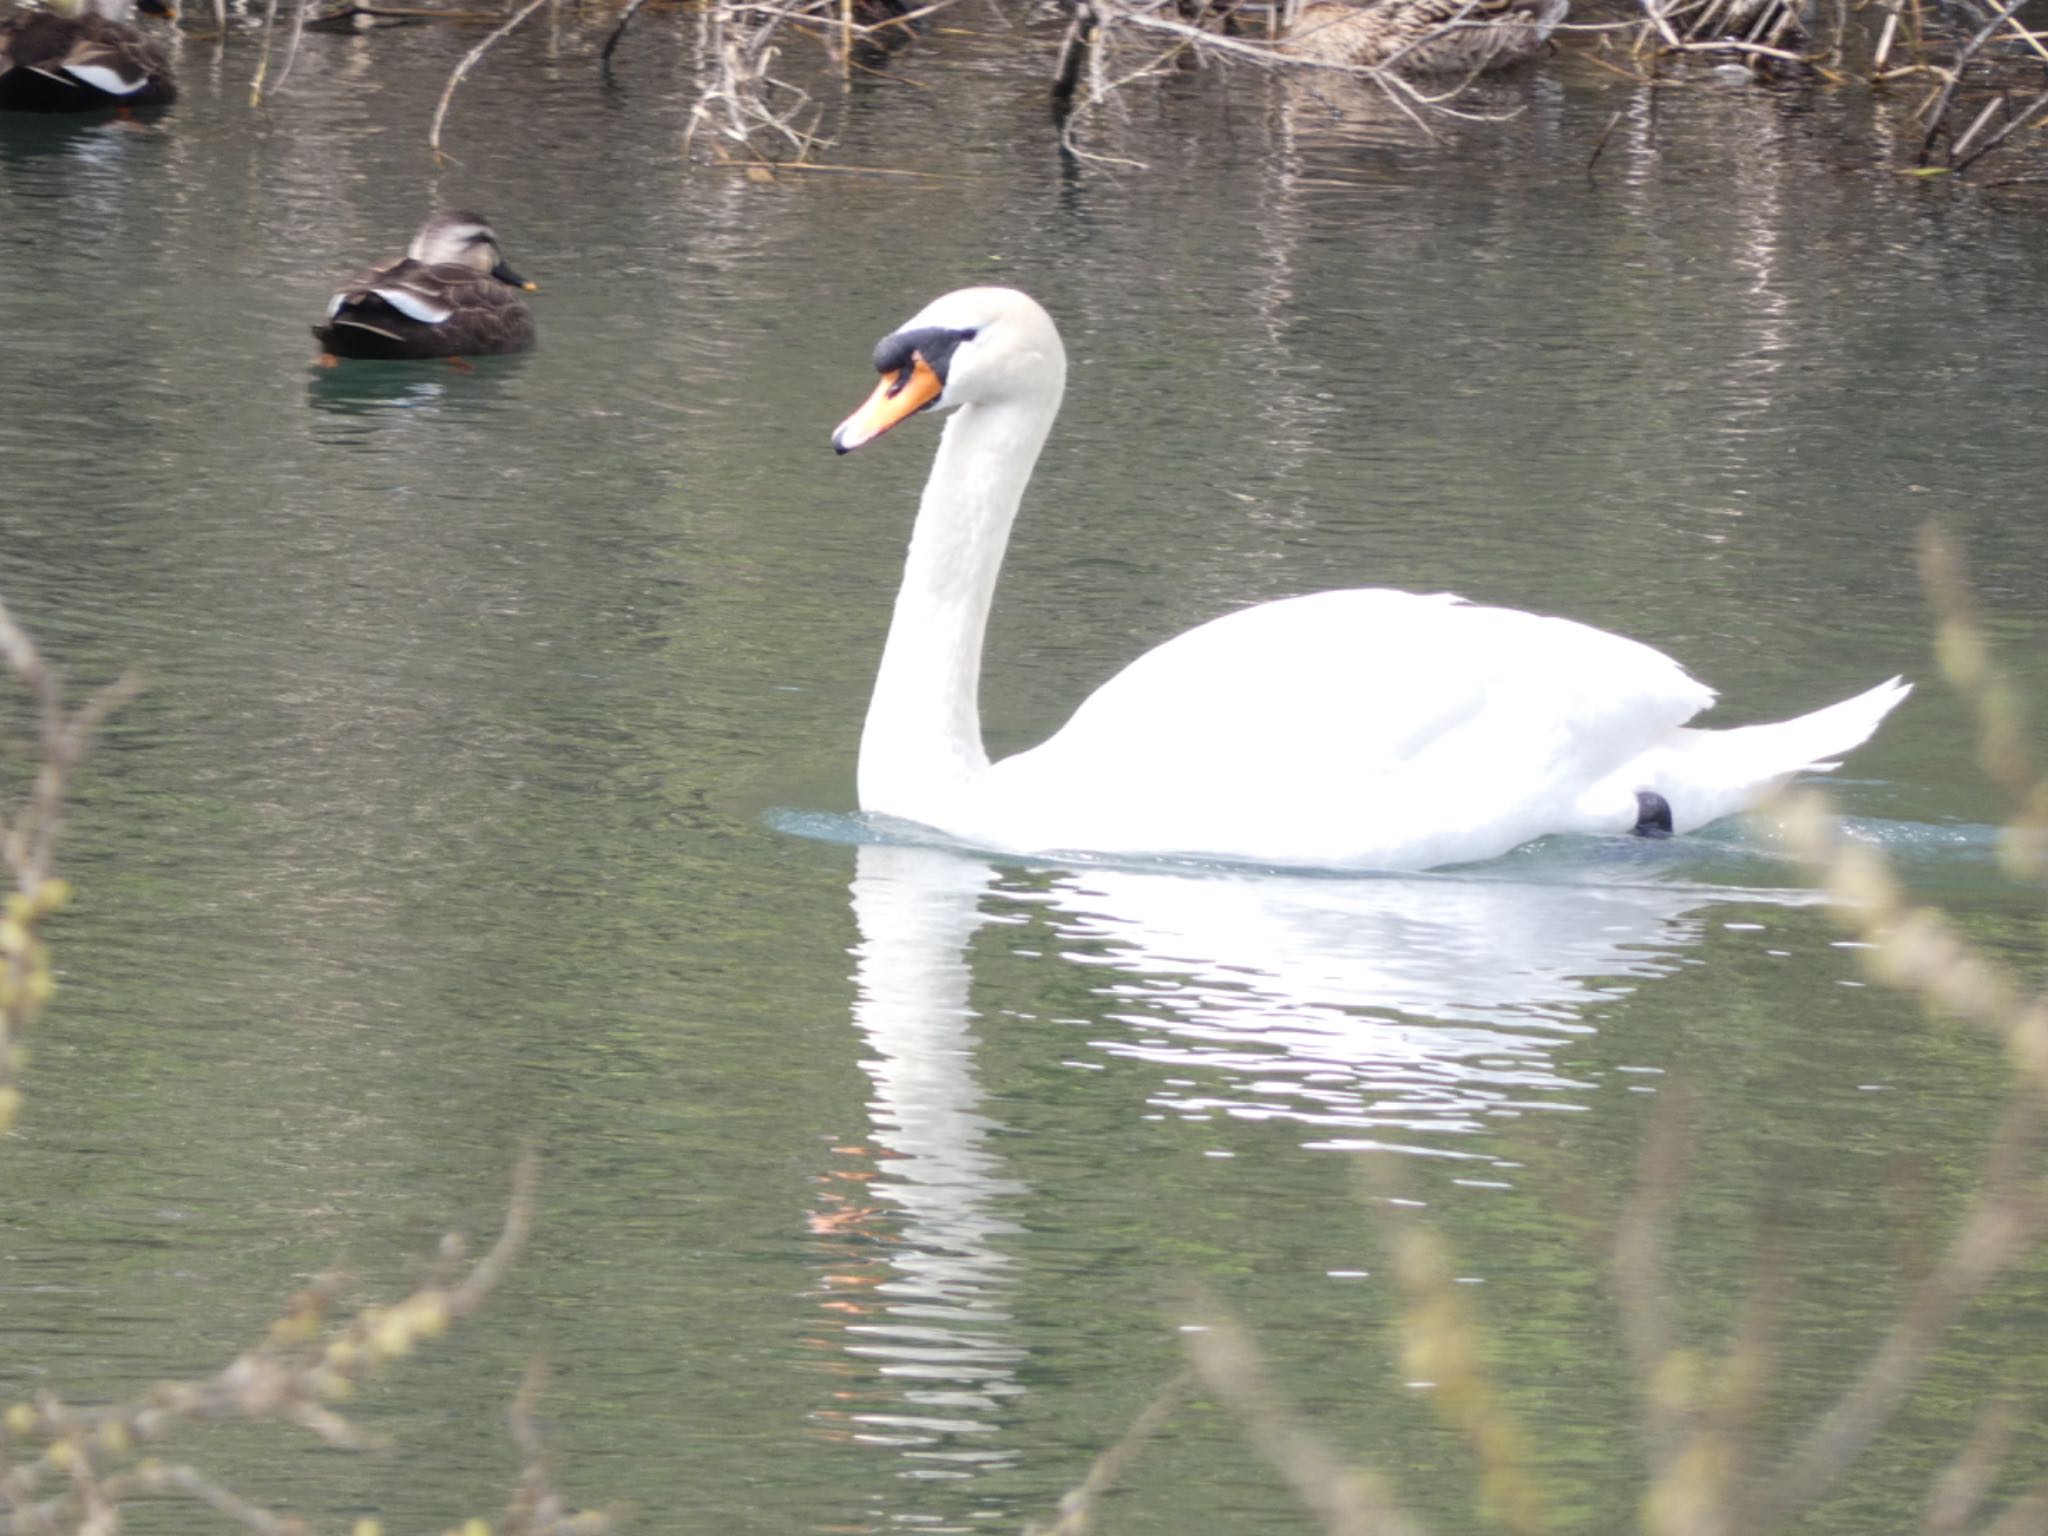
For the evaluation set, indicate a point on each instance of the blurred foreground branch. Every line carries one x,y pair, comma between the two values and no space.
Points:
69,1469
29,821
1707,1471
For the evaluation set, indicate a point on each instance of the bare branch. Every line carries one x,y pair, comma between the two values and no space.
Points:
468,63
1642,1243
1078,1507
1343,1501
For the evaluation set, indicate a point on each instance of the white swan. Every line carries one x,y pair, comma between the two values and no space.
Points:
1365,728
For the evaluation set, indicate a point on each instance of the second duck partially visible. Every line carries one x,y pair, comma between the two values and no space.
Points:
450,295
81,56
1423,37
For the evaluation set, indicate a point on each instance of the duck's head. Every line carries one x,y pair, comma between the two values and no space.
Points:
974,346
461,239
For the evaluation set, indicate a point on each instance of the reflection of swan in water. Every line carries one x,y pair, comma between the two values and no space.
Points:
1421,1001
918,1275
1417,1002
1353,1006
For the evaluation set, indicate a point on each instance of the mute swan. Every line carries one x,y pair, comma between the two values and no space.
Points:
1423,37
1364,728
450,295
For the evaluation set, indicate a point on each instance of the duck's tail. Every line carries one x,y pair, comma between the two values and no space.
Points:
1705,775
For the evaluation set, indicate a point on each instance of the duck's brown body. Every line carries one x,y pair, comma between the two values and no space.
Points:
1423,37
450,295
50,62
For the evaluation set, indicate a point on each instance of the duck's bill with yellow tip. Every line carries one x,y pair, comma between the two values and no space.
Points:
504,274
913,366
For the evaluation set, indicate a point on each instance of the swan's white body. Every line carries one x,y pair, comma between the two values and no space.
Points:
1363,728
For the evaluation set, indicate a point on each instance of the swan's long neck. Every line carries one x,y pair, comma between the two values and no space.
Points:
922,742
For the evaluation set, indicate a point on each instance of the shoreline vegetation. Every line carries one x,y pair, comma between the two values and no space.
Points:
1971,75
1718,1458
1976,74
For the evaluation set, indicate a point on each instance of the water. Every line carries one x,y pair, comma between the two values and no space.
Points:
492,778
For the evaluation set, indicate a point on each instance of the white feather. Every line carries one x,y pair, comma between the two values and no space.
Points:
416,306
356,324
101,78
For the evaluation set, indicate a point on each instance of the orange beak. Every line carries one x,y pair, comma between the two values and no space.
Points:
902,393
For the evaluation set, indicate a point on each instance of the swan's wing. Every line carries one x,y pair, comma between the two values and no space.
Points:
1383,680
1359,726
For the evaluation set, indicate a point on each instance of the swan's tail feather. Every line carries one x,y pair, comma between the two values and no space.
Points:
1710,774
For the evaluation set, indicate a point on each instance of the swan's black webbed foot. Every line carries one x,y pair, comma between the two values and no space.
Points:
1653,814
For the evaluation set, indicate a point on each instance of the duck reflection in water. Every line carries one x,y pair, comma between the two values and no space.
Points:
359,402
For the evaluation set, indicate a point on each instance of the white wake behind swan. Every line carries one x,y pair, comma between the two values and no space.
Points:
1363,728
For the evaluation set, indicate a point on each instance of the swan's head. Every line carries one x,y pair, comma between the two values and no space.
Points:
463,240
974,346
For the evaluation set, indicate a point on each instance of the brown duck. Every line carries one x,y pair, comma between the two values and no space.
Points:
450,295
1423,37
81,56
